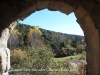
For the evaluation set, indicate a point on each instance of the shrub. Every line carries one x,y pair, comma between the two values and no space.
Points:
17,57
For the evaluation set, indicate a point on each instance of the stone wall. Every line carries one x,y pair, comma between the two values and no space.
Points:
4,51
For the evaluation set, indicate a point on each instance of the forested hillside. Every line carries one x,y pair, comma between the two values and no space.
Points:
25,36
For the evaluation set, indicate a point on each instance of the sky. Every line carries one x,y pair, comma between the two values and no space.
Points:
54,21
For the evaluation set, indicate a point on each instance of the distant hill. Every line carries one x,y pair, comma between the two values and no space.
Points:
73,36
24,36
79,37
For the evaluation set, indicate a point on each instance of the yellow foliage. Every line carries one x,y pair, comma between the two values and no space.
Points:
16,31
34,30
82,40
22,42
18,53
18,56
69,42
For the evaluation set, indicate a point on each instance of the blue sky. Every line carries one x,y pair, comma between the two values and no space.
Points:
55,21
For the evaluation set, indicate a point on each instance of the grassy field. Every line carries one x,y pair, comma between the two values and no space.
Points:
57,63
68,57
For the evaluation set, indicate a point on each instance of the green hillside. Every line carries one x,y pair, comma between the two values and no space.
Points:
61,44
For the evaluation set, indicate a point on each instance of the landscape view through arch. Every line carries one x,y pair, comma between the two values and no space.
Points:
49,43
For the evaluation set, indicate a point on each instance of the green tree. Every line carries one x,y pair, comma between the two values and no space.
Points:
34,37
80,48
15,40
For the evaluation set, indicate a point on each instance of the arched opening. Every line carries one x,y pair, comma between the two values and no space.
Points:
55,42
84,17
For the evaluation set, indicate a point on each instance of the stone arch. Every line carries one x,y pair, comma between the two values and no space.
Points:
83,10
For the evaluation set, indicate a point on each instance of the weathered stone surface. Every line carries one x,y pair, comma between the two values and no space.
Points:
67,9
4,60
4,51
88,5
56,5
75,4
93,47
95,15
93,67
86,11
42,4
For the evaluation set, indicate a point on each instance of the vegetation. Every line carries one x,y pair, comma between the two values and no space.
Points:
62,45
79,56
34,48
43,59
